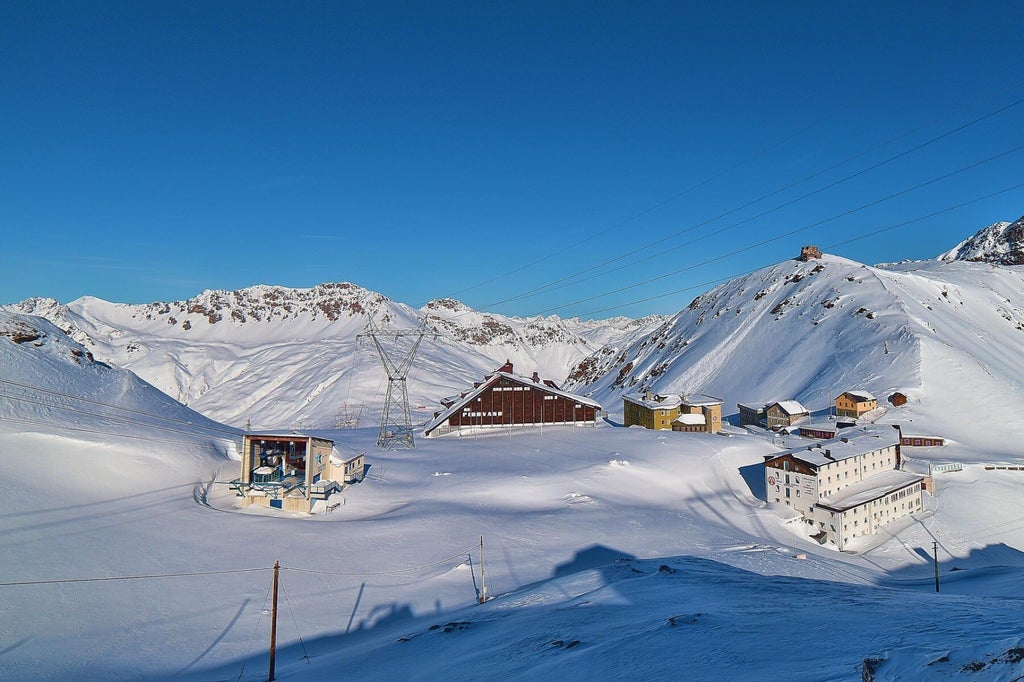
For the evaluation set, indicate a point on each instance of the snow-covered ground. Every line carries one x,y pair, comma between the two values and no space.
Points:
610,552
275,356
576,525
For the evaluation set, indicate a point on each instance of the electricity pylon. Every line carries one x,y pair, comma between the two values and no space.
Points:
395,422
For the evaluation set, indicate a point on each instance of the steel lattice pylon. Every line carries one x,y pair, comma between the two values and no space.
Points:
395,421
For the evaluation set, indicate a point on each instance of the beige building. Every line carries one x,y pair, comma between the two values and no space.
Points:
863,508
847,486
291,471
855,403
699,414
785,413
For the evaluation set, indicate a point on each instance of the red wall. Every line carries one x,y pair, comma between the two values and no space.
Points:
527,405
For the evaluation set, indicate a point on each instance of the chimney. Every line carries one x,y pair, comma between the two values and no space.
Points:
536,378
507,367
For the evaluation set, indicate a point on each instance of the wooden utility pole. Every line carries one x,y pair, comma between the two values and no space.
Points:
273,623
483,581
935,555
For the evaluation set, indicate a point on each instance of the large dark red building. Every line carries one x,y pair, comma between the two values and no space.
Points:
506,399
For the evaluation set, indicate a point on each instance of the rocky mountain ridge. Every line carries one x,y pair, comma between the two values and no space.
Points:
284,356
1001,243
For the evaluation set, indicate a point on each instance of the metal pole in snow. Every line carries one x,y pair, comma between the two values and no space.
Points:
273,623
935,555
483,582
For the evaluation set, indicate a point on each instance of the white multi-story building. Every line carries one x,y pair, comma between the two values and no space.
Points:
845,486
862,508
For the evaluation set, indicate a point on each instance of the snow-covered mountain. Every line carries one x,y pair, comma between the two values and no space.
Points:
810,330
611,553
275,356
50,379
1001,243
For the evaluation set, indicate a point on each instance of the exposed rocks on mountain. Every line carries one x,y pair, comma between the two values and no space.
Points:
1001,243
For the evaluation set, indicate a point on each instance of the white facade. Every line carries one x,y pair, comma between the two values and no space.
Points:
863,509
846,486
833,465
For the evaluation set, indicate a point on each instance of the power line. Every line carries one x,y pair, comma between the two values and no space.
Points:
382,573
863,236
82,429
567,280
789,233
151,576
110,418
208,427
640,214
191,574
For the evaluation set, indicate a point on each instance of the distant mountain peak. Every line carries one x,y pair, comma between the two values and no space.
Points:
1001,243
442,304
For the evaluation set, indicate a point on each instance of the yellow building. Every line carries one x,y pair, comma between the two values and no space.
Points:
855,403
699,414
650,411
696,413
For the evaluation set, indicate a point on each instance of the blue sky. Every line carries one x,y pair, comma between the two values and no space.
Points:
486,150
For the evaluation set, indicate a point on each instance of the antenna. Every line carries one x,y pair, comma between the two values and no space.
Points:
395,423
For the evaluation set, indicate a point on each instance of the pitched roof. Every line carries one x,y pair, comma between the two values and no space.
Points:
657,402
860,395
791,407
700,400
852,443
691,419
493,378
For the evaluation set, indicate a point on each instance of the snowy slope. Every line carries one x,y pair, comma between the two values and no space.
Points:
1001,243
275,356
49,380
810,330
577,523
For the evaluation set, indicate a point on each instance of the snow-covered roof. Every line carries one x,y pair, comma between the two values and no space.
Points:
871,488
791,407
853,443
861,395
820,426
493,378
341,454
691,419
700,400
294,435
656,402
756,407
